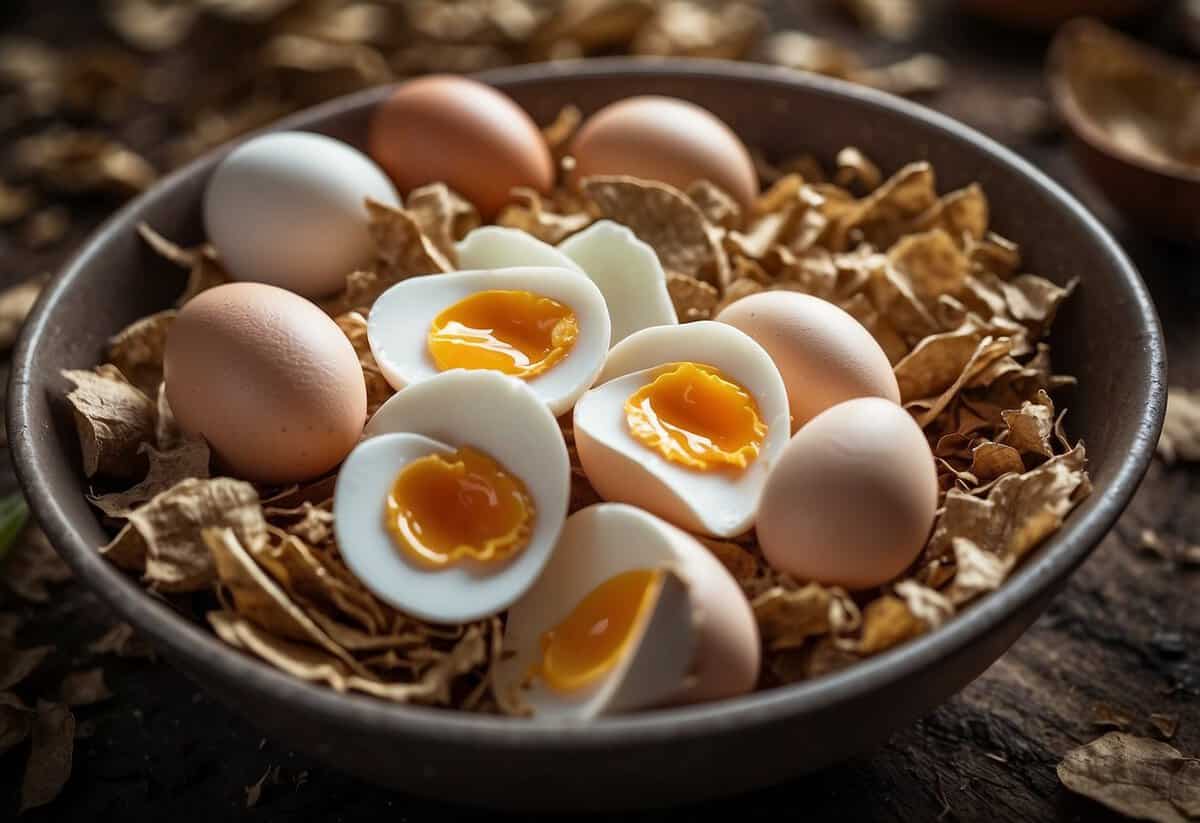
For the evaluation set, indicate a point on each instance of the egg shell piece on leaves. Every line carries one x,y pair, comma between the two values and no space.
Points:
824,355
699,642
499,247
288,209
717,503
400,320
629,275
488,411
851,500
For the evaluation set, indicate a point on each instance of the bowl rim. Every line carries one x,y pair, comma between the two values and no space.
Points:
195,645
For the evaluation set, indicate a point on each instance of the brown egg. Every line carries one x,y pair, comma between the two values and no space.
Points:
824,355
462,133
268,380
666,139
851,499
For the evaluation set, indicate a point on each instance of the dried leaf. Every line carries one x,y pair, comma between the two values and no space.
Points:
855,170
49,765
137,350
988,351
991,460
931,263
936,362
32,566
354,325
1180,439
204,268
1165,724
691,29
18,664
530,215
150,25
1135,776
16,721
1031,428
167,469
122,641
83,688
442,215
788,617
803,52
165,534
82,162
891,19
558,134
664,218
962,214
693,299
113,418
1104,715
15,304
718,208
882,217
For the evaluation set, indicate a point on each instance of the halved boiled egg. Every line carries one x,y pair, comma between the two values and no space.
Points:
630,613
450,507
685,422
628,273
546,326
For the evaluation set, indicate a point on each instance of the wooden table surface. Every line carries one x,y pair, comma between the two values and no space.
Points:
1122,638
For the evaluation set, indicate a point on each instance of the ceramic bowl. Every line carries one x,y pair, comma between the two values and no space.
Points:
1107,334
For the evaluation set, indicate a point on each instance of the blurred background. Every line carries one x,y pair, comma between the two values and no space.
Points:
100,99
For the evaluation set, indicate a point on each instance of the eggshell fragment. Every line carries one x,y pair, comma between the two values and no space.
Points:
476,140
288,209
664,139
497,247
701,642
824,355
267,379
628,273
851,499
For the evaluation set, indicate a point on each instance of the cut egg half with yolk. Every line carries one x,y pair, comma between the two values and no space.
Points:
631,613
685,422
546,326
450,507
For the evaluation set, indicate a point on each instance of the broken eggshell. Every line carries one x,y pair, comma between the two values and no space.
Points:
1134,115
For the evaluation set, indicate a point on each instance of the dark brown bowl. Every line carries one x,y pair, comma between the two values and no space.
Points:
1107,334
1098,77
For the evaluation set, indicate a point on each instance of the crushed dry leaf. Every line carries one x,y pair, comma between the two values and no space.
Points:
1135,776
49,764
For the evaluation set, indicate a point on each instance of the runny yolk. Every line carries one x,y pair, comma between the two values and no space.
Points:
514,332
443,508
693,415
597,632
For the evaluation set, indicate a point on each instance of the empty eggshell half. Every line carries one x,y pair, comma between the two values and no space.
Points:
720,502
498,247
696,641
851,499
400,321
628,273
487,411
824,355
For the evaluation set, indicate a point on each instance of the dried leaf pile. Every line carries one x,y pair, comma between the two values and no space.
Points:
945,297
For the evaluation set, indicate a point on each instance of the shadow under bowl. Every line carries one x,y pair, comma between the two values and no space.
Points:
1107,334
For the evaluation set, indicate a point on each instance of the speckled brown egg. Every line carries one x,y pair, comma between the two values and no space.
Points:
463,133
665,139
850,500
268,380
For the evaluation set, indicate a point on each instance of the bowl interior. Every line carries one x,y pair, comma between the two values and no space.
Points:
1107,335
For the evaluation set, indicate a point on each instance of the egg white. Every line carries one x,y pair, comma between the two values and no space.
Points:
499,247
399,323
720,503
598,543
628,273
491,412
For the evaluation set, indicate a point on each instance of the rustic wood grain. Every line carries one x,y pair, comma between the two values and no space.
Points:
1121,639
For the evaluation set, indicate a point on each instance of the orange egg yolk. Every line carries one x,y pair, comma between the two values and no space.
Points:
694,416
443,508
598,631
514,332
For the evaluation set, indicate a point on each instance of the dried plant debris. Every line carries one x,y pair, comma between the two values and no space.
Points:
1180,439
82,688
121,640
1135,776
947,299
49,764
32,567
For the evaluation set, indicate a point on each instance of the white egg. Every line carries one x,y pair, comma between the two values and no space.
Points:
720,501
288,209
694,637
400,321
628,273
489,412
498,247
